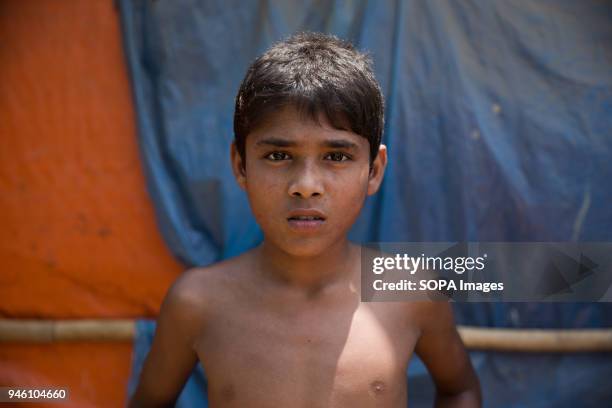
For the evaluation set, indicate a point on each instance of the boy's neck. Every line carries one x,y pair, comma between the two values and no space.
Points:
335,264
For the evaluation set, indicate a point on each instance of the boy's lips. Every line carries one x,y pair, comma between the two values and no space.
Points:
306,219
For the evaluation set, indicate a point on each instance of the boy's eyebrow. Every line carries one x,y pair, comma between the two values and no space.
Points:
340,144
275,141
333,143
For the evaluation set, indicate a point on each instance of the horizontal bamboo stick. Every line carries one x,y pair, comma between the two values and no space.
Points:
475,338
537,340
46,331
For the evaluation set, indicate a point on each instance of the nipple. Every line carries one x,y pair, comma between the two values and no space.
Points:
228,392
377,387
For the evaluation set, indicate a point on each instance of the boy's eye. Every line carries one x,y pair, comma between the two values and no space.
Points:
337,157
277,156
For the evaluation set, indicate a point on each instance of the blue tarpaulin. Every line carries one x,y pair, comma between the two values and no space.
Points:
498,124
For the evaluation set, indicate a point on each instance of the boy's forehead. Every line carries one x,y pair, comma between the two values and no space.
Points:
291,124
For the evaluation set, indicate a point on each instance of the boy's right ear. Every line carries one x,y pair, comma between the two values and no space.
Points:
238,166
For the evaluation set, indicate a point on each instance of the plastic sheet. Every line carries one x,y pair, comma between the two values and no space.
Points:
498,124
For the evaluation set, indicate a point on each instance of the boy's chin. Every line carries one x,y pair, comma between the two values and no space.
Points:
304,248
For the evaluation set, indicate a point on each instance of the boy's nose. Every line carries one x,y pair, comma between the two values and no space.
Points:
306,183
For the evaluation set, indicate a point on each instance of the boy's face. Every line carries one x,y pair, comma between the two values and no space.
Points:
306,181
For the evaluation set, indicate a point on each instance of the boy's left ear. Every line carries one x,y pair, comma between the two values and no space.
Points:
378,170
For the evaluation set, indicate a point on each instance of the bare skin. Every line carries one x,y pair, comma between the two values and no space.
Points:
282,325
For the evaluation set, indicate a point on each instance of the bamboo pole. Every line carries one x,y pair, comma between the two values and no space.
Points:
47,331
475,338
537,340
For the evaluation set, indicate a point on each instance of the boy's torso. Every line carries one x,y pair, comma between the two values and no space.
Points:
265,346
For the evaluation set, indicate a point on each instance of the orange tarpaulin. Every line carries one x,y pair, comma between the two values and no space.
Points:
78,236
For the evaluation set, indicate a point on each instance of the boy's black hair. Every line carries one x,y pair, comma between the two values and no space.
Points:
317,74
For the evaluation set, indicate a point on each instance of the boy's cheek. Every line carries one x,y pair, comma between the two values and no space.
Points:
264,199
262,187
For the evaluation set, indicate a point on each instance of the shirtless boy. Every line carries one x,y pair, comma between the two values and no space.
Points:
282,325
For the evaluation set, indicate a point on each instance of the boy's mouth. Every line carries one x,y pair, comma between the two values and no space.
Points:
306,219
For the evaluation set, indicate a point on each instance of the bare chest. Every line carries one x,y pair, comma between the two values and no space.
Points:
354,356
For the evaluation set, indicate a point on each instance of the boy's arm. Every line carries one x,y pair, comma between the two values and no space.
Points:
172,355
442,351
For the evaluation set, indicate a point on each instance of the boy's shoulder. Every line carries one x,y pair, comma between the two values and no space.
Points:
198,289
